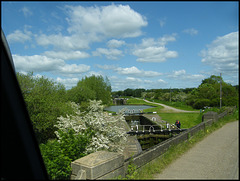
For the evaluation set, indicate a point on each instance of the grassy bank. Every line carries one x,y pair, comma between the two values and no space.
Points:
160,163
187,120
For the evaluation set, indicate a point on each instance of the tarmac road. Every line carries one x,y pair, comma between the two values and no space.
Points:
215,157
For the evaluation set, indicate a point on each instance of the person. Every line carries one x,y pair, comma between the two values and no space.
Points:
178,124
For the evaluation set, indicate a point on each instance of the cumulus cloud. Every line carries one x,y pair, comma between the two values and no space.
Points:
222,53
151,50
68,82
39,63
182,75
60,41
19,36
111,53
115,43
107,21
134,71
69,69
67,55
106,67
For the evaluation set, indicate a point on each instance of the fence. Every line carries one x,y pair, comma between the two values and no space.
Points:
108,165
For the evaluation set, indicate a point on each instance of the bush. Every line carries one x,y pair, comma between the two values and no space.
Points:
57,164
106,132
58,155
200,103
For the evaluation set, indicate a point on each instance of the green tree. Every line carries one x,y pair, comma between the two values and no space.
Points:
93,88
208,94
45,100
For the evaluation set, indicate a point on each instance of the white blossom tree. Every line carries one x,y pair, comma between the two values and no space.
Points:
106,132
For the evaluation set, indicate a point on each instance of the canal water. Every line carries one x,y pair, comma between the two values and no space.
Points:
129,108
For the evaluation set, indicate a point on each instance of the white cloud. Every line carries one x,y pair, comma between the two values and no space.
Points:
106,67
59,41
69,69
67,55
134,71
191,31
182,75
179,73
107,21
39,63
19,36
151,50
222,53
161,81
68,82
115,43
111,53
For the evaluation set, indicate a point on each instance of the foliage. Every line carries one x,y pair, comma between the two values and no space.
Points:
208,94
45,101
56,163
93,88
58,155
106,132
132,170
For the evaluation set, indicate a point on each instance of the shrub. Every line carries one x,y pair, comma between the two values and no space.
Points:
58,155
106,132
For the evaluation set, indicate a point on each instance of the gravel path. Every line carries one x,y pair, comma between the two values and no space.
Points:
215,157
171,109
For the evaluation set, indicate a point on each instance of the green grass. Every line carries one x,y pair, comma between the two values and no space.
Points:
156,166
187,120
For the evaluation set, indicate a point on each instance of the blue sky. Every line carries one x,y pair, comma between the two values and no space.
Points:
148,45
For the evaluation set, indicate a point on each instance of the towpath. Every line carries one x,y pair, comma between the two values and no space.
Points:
215,157
170,109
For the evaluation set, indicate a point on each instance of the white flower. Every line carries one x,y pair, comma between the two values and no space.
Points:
109,130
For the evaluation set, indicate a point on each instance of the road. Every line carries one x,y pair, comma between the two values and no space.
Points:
215,157
171,109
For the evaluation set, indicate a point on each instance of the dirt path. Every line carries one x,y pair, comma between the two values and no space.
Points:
171,109
215,157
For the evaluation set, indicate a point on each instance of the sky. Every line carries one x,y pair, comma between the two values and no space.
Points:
150,45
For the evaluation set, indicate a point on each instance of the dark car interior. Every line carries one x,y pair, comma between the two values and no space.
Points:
20,154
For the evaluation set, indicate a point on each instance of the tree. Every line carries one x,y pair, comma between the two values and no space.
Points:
208,94
93,88
45,100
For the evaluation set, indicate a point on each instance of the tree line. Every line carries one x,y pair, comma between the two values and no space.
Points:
206,94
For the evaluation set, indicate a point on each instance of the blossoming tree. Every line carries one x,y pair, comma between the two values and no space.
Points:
105,131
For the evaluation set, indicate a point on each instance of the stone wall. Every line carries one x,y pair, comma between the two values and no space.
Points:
108,165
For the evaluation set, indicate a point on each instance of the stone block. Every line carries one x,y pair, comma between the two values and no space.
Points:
98,164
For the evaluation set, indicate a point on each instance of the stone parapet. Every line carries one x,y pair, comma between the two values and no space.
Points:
96,165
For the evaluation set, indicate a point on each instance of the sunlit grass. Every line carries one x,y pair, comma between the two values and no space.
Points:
187,120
